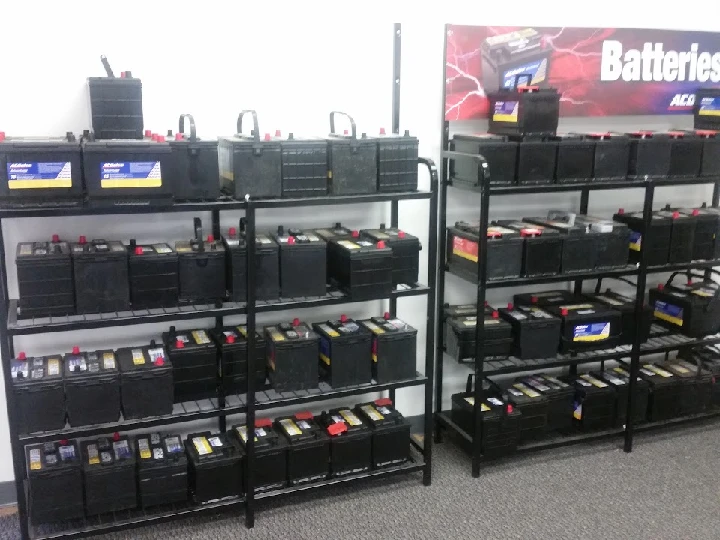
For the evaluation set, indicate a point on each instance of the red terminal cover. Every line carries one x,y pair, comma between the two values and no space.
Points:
382,131
699,132
263,423
343,318
696,212
267,137
148,133
2,136
564,312
230,338
76,350
161,138
355,234
296,322
305,415
676,134
160,361
82,240
336,429
278,133
211,238
509,408
179,344
675,215
401,234
386,315
116,436
660,286
528,88
621,211
494,234
381,244
178,136
55,238
138,250
533,299
510,306
64,442
22,356
384,402
232,231
291,240
495,314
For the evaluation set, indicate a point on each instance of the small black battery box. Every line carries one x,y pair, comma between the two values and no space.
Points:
116,106
536,332
537,158
560,396
708,358
523,110
710,163
504,249
664,392
233,344
545,299
101,276
361,267
308,448
109,473
460,342
250,165
531,404
39,393
619,378
580,244
588,326
304,167
626,306
500,423
293,350
706,242
201,268
649,155
595,402
397,162
194,359
575,156
685,154
353,161
499,152
682,235
350,442
345,352
695,388
394,348
162,469
611,156
405,252
121,172
146,381
453,312
153,276
92,387
40,171
612,239
215,467
659,244
706,109
519,51
337,232
390,432
267,265
303,263
55,482
693,310
45,278
270,454
542,248
194,164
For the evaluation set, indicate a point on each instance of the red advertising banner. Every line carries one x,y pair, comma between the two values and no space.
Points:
598,71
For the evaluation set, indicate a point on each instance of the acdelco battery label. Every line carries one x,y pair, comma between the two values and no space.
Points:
506,111
591,332
668,312
37,175
635,240
325,350
537,69
467,249
709,106
130,174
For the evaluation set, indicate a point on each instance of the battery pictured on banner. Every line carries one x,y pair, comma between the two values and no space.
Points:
506,55
706,109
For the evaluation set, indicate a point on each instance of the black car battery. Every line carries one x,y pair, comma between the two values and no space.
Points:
658,245
394,346
693,310
588,326
545,299
100,269
519,51
710,162
250,165
460,344
267,265
201,268
499,152
453,312
214,467
194,164
626,306
40,171
537,158
361,267
560,396
649,155
92,387
405,252
109,475
612,239
708,359
233,344
682,235
336,232
532,405
293,350
542,248
580,244
121,172
270,454
390,432
303,263
353,161
350,442
595,402
706,109
523,110
39,393
664,392
305,166
619,378
504,249
116,105
610,157
397,162
308,454
194,359
153,270
685,154
500,423
146,381
162,469
575,157
54,481
536,333
45,278
345,352
706,241
695,387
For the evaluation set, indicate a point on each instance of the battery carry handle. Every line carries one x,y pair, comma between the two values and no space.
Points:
242,225
353,127
191,121
197,224
106,65
256,130
516,80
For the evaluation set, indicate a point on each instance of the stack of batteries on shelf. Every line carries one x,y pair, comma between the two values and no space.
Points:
69,479
99,276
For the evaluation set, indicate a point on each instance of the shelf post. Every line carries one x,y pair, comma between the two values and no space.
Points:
250,398
397,60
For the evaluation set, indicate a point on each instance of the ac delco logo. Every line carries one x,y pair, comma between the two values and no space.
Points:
682,102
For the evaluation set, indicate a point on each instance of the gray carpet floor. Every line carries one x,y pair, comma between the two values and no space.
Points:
667,489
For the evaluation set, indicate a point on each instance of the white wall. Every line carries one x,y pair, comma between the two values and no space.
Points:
293,63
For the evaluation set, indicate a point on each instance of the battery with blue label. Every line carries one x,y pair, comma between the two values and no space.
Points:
658,245
523,109
692,309
710,162
506,55
707,108
345,352
587,326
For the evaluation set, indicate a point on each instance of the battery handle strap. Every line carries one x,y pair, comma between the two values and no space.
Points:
353,127
197,224
516,79
191,121
257,148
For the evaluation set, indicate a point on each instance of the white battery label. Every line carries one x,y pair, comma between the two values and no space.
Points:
200,337
109,360
372,413
138,357
156,354
290,427
158,453
35,461
303,425
202,446
215,442
93,456
144,448
77,363
350,417
121,449
162,248
53,366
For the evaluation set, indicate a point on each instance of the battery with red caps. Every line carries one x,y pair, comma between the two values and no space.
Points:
345,350
37,384
350,441
146,380
390,432
361,266
153,273
303,263
294,349
394,345
405,252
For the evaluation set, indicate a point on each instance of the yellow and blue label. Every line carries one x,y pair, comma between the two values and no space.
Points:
709,106
325,350
537,69
591,332
506,111
39,175
668,313
130,174
635,240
